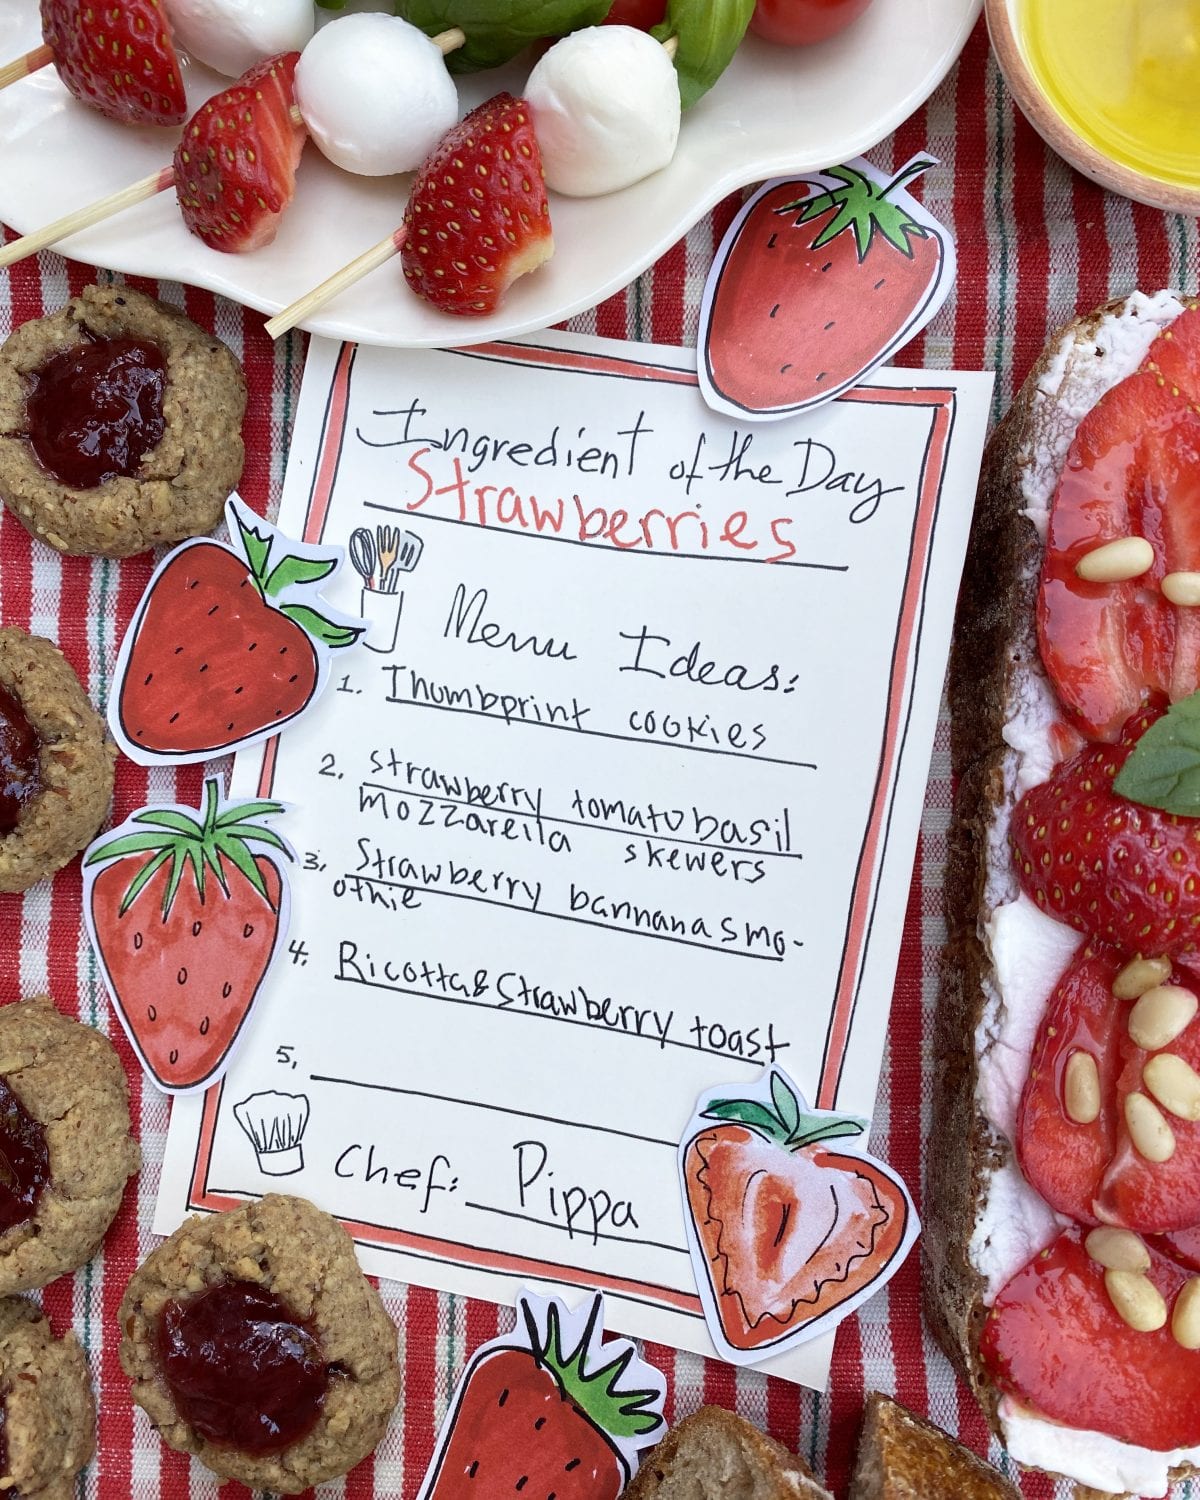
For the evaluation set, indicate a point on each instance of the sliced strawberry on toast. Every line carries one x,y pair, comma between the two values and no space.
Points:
1073,1138
478,216
1174,356
1096,861
120,59
1133,470
235,166
1063,1148
1055,1342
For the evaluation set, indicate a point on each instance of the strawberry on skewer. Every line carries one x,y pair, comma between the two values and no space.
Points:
248,137
117,58
477,218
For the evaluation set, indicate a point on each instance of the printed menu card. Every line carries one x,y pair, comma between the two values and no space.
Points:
616,798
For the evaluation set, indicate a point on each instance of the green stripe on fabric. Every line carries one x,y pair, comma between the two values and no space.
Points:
999,394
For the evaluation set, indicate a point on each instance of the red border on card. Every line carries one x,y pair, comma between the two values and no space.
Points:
941,404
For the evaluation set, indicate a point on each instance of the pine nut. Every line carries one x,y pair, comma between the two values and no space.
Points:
1174,1083
1114,562
1140,975
1160,1015
1117,1250
1152,1137
1185,1319
1181,588
1137,1300
1081,1088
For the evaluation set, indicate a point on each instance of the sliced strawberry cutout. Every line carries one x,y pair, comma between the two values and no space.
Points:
235,166
119,58
478,215
1054,1341
1133,469
1063,1158
1095,860
1174,356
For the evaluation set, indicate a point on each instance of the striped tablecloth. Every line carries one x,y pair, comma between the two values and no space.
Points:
1036,243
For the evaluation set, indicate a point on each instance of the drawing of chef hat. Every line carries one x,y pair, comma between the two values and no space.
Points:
275,1124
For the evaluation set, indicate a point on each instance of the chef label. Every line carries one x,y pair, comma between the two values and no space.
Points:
617,796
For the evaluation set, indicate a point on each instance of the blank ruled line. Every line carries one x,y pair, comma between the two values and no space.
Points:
499,1109
741,851
562,916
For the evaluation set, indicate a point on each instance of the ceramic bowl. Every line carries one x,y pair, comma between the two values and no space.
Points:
1058,134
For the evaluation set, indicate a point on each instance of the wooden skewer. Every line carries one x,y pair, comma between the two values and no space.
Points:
21,67
84,218
313,301
138,192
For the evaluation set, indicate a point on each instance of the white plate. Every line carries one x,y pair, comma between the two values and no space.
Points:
776,110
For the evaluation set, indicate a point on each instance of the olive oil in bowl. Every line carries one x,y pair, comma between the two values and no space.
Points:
1125,76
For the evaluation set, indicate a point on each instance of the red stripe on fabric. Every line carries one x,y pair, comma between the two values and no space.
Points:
845,1403
258,357
970,181
902,1148
612,317
1095,257
663,1359
417,1406
1028,315
1153,249
666,306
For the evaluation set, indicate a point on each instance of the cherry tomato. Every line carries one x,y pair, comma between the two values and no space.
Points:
640,13
795,23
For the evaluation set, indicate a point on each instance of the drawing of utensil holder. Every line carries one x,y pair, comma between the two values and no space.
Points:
382,614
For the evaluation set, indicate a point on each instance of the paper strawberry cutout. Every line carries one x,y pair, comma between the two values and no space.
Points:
185,913
816,283
227,646
548,1409
788,1235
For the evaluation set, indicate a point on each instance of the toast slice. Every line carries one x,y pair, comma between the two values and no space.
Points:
902,1457
717,1455
994,670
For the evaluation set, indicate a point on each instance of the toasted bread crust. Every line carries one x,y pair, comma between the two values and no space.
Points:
717,1455
994,638
903,1457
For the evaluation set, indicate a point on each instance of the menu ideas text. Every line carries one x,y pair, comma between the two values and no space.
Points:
618,800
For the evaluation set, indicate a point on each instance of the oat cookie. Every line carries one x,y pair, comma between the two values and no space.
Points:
56,761
171,439
48,1431
281,1409
65,1137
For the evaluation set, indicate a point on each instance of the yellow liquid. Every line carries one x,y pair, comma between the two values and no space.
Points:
1125,74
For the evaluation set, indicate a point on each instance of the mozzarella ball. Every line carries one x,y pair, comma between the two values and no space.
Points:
232,35
375,94
605,105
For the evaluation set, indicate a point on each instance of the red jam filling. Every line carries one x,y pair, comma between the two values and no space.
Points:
243,1371
20,765
24,1161
96,410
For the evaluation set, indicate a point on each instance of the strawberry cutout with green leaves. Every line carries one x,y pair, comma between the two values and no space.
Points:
817,282
547,1409
230,643
186,908
789,1233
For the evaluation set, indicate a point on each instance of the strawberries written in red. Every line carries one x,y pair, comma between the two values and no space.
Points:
1055,1342
119,58
235,165
478,216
